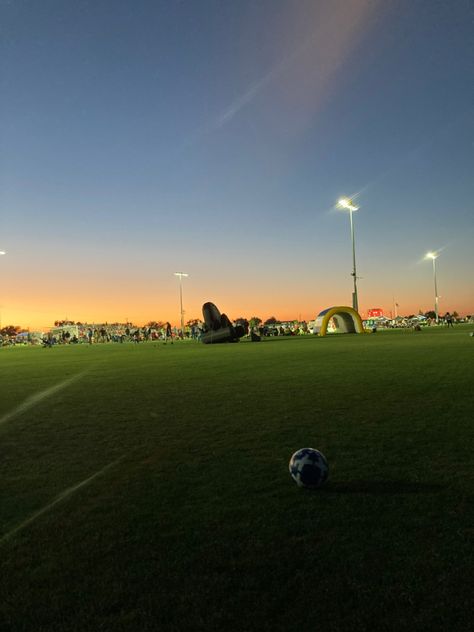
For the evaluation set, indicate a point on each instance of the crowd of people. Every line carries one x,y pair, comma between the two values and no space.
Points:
128,333
73,334
420,321
117,333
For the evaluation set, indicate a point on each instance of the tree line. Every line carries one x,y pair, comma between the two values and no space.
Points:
254,321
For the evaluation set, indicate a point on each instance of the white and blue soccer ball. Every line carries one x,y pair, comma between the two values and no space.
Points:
309,468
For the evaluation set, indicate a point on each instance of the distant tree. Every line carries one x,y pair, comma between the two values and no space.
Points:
271,321
10,330
430,314
410,316
455,314
154,324
243,322
255,321
194,322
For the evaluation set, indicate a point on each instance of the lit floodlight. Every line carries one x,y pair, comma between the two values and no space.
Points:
181,274
431,255
346,203
2,252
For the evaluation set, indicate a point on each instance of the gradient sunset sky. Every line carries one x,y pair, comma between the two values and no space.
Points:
215,137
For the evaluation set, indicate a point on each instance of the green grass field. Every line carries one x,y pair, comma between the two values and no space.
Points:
147,487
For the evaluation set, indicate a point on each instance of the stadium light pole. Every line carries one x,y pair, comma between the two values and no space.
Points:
2,252
433,256
181,275
347,204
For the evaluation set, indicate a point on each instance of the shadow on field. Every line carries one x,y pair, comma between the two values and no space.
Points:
380,487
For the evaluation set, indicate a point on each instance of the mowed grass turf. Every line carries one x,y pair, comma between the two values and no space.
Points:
146,487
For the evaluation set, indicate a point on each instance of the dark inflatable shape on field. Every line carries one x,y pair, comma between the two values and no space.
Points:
217,326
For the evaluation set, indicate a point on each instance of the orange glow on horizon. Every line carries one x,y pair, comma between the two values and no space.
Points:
120,296
41,317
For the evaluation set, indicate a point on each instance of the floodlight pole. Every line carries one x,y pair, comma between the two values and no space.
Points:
433,256
347,204
181,275
435,290
355,299
2,252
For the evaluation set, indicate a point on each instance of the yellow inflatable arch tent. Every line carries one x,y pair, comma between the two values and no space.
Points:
346,319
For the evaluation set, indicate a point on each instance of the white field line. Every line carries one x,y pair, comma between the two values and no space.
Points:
62,496
38,397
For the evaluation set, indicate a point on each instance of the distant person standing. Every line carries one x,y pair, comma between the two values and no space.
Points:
449,320
168,333
90,335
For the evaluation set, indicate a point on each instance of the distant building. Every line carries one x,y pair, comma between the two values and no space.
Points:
72,330
375,312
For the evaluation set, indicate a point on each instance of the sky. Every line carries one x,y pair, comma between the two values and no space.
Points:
215,137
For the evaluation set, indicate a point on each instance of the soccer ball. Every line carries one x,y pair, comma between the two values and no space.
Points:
309,468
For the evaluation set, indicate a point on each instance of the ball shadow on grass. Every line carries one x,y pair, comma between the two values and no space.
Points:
379,487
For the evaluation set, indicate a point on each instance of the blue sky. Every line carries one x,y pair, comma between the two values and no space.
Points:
215,137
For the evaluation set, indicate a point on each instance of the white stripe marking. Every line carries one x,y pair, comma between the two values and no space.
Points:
62,496
38,397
